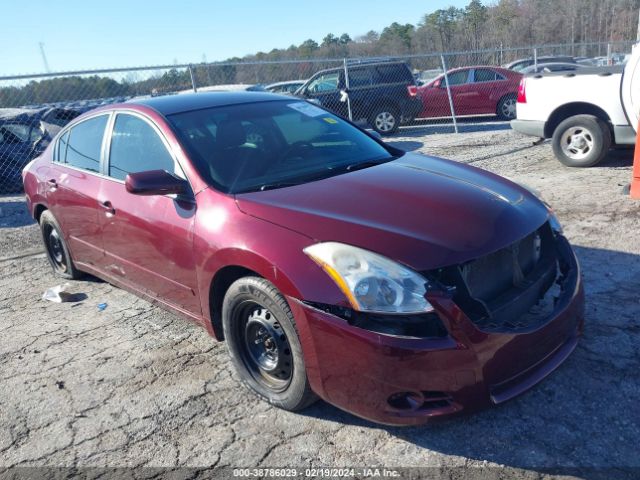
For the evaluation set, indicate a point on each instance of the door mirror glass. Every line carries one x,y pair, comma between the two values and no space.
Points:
155,182
437,83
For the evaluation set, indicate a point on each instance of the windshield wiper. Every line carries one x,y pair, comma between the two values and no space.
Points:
271,186
366,164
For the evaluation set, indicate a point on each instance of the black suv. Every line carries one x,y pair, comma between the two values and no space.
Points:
384,94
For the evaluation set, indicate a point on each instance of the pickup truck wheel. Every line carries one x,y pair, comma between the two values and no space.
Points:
385,120
262,341
506,109
581,141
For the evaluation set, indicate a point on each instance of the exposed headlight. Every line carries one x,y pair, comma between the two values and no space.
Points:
371,282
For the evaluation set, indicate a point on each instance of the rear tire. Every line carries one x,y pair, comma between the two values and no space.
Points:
385,120
263,343
581,141
506,109
56,248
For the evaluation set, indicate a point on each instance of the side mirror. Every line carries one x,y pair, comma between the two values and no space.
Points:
437,83
155,182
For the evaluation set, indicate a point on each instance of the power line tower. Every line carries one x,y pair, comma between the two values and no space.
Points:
44,58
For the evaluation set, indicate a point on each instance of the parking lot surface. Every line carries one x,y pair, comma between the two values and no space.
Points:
133,385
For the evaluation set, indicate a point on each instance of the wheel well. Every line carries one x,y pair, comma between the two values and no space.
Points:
386,103
37,212
219,286
571,109
506,95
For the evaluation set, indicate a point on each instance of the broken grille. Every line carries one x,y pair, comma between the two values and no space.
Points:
512,290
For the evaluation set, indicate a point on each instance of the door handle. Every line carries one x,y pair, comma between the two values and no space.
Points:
52,183
106,205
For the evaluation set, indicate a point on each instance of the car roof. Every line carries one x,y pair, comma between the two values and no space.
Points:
170,104
288,82
352,65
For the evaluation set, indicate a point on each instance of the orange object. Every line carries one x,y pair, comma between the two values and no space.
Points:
635,181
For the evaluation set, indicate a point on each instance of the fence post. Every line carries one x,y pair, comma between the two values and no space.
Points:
446,81
193,79
535,58
346,91
608,54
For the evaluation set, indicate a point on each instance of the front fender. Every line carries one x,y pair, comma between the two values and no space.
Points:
271,251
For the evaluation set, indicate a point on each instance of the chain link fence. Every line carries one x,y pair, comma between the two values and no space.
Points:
387,94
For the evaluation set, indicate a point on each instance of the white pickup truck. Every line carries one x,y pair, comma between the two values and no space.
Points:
584,111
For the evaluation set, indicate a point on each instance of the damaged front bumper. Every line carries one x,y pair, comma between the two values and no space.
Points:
478,362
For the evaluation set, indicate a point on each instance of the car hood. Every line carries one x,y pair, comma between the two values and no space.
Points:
422,211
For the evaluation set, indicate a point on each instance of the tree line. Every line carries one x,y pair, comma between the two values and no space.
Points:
501,26
504,24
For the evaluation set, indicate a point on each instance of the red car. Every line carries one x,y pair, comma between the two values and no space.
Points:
477,90
396,286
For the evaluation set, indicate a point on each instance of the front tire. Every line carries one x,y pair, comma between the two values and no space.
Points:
263,343
581,141
56,248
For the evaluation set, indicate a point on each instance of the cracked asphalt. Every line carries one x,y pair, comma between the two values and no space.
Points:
134,386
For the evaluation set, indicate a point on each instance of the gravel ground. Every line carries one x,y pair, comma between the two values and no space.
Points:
136,386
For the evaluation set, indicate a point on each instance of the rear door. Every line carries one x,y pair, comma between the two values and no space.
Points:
73,185
489,86
148,240
361,95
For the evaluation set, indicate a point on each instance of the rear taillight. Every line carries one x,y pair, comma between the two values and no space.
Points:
413,90
522,92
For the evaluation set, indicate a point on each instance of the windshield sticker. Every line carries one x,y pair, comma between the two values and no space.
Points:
330,120
307,109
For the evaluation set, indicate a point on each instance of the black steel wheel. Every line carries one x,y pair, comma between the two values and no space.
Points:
56,248
263,343
266,351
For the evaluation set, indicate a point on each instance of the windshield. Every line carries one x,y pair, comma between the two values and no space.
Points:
258,146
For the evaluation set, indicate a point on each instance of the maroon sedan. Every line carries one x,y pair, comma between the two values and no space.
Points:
396,286
478,90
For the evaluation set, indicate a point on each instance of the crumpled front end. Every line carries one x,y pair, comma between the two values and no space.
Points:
506,321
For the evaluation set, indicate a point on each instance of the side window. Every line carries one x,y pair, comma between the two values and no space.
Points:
360,77
60,153
19,131
136,147
324,83
457,78
83,144
485,75
395,73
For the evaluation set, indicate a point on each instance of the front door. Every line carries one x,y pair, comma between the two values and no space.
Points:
325,90
148,240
